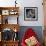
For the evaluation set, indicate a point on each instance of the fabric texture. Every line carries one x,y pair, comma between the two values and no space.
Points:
29,33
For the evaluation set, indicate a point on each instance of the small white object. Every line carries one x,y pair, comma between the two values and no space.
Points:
15,12
15,30
11,12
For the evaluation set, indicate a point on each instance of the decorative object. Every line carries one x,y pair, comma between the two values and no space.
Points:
5,12
13,12
15,3
7,34
15,37
5,19
31,13
8,21
15,30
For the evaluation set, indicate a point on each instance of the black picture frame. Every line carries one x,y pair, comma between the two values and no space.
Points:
30,13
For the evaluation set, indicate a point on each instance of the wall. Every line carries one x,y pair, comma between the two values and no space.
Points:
26,3
44,21
31,3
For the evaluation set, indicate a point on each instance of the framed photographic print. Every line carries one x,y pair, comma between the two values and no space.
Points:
5,12
31,13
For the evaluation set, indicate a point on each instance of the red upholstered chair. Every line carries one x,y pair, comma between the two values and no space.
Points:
29,33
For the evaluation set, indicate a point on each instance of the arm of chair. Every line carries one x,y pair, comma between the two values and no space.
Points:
38,44
22,43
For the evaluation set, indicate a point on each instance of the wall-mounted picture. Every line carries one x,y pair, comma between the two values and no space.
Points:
31,13
5,12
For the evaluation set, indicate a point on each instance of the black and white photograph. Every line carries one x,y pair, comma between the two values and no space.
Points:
31,13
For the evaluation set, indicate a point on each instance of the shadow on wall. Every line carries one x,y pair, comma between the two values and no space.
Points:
37,29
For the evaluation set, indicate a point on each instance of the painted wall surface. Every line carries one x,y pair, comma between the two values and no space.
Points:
26,3
31,3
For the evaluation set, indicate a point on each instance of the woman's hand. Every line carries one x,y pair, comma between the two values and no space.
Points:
31,41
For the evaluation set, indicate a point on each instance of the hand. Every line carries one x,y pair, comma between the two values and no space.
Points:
32,41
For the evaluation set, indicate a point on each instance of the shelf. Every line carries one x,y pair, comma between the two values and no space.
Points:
6,12
9,22
10,26
9,7
9,10
11,41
